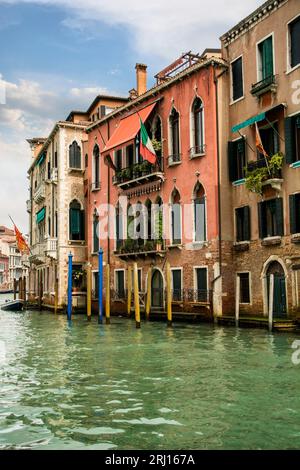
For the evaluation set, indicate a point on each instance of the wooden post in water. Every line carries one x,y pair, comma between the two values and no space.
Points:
89,292
148,301
56,296
136,296
24,289
20,287
237,300
107,295
15,288
40,293
271,302
169,295
129,290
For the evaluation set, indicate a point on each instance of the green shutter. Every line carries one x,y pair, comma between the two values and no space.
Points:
247,224
75,221
293,225
267,59
279,216
261,220
232,161
40,216
290,141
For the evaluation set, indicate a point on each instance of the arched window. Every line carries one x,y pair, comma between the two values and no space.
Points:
197,127
176,218
119,226
199,214
158,220
148,205
174,136
96,244
157,140
75,156
86,162
96,168
76,221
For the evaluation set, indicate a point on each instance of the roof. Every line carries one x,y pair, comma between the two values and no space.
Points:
250,21
203,63
106,97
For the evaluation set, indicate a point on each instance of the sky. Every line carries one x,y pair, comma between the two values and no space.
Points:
57,55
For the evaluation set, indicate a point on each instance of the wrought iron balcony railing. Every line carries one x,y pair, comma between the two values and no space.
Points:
265,85
138,173
174,159
262,163
140,247
197,151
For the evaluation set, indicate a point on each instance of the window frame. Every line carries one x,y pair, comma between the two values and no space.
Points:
180,268
250,287
291,69
232,100
195,268
193,127
171,140
116,281
259,71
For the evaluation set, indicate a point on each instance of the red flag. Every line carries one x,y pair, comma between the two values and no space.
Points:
21,242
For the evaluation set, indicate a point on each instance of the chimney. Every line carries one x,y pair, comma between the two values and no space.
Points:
141,78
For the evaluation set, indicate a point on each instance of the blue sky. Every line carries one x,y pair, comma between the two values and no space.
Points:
57,55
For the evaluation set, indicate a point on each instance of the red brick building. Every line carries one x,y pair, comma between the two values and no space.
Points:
180,114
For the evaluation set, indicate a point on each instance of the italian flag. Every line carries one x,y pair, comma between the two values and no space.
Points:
146,148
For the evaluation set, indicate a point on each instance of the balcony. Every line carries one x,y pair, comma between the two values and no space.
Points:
198,151
28,206
38,253
40,194
139,174
174,159
51,248
129,249
264,86
265,174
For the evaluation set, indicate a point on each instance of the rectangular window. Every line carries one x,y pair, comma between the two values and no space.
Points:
292,139
96,244
242,215
266,65
118,159
120,284
295,213
270,216
237,159
244,288
201,285
177,284
237,79
294,29
270,140
129,156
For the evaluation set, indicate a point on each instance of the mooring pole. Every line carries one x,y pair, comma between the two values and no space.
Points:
15,288
169,295
56,296
89,292
24,285
271,303
100,286
129,290
70,278
19,288
136,297
107,295
148,300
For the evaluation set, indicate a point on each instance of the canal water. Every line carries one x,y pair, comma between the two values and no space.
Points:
82,386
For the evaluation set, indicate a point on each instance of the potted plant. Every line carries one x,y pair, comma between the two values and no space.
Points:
256,176
136,170
145,168
77,279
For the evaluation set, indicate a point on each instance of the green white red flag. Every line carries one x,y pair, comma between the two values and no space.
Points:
146,147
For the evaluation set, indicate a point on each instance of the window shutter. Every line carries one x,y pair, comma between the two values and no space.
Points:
231,162
289,140
279,216
268,69
293,225
247,224
295,41
261,220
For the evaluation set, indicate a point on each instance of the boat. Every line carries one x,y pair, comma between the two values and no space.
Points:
13,305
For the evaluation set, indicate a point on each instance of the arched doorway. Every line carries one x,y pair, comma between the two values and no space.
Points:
280,301
157,290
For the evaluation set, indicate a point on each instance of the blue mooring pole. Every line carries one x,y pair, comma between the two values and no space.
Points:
100,285
70,277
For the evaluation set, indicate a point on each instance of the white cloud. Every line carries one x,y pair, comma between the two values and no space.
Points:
88,92
161,28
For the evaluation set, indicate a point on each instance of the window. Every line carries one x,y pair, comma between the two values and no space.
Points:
201,285
86,161
265,59
199,214
237,159
120,284
96,160
129,156
237,79
294,29
157,134
174,133
139,280
75,156
270,139
270,217
197,127
177,284
292,139
76,222
96,244
176,218
119,227
148,228
295,213
244,288
242,217
118,159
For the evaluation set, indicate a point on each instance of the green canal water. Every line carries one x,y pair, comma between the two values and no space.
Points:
82,386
